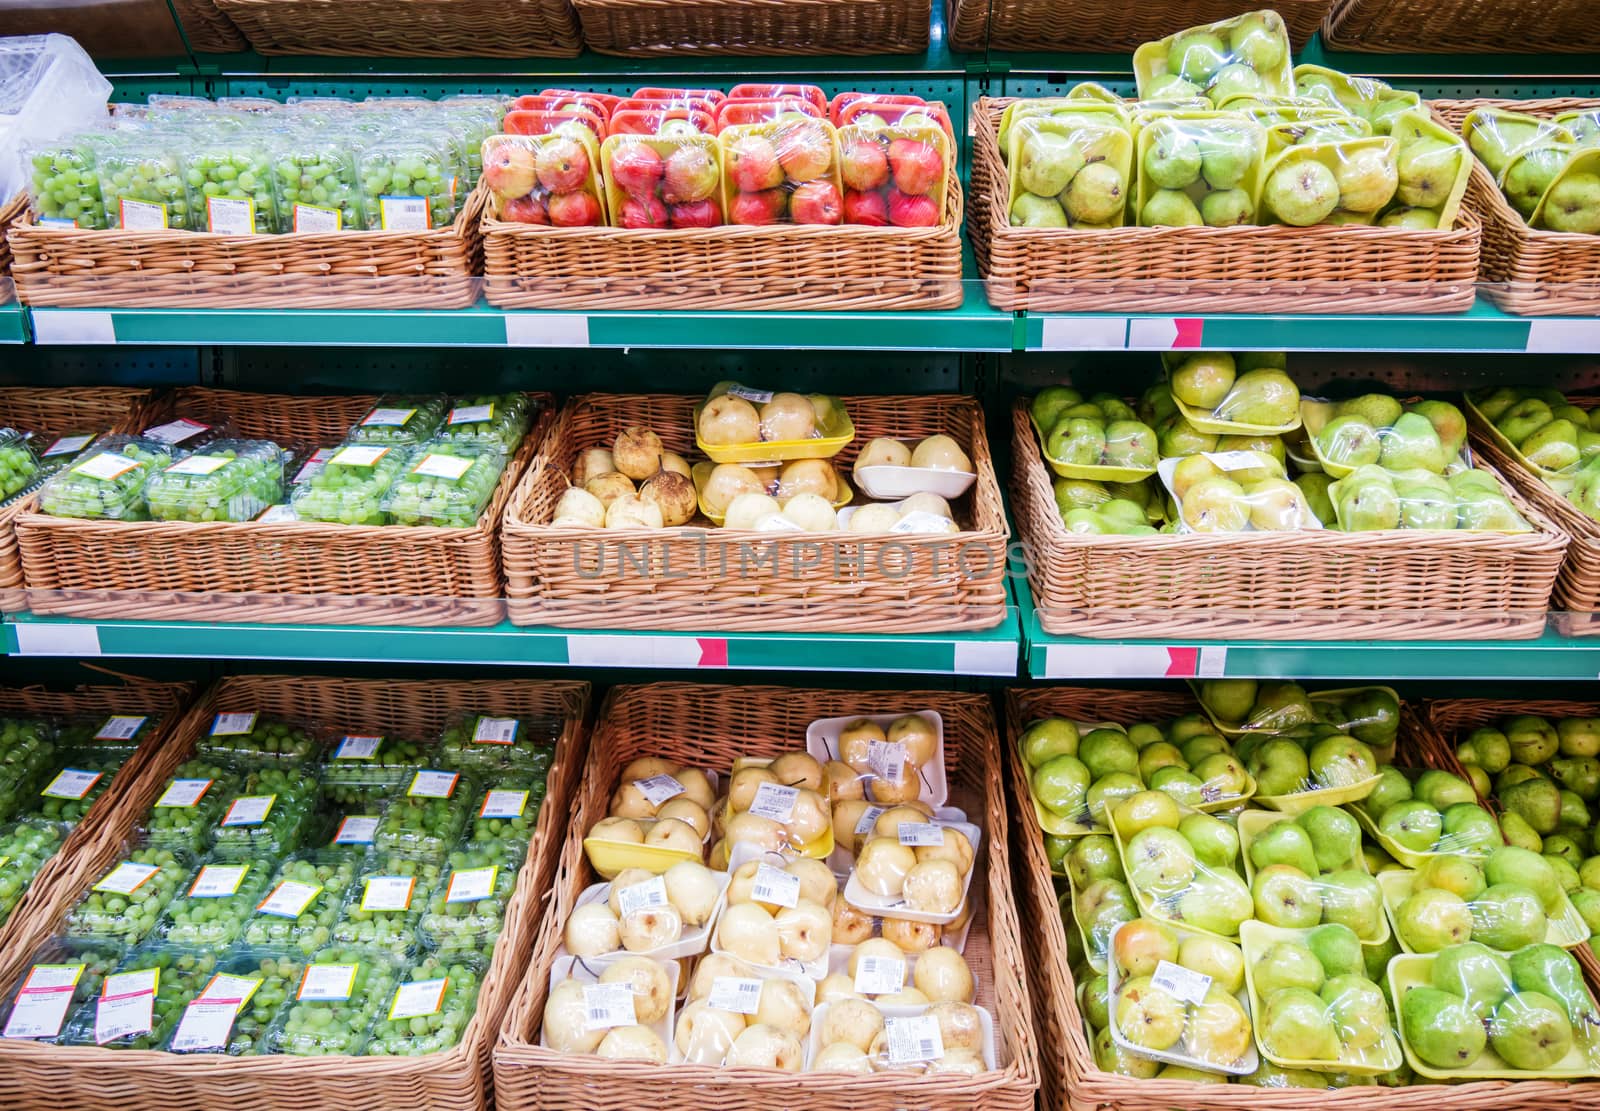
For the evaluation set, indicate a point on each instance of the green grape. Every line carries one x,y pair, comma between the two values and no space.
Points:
129,918
472,925
237,170
465,744
490,420
334,873
400,419
71,811
348,781
414,1035
279,976
83,732
231,480
143,185
27,751
317,174
348,489
425,828
97,959
286,822
108,483
65,185
24,846
18,467
188,827
184,975
315,1028
444,485
474,119
392,930
395,171
267,742
214,922
517,829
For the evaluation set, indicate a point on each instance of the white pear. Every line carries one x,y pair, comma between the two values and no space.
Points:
565,1016
693,889
649,982
849,924
917,734
812,512
788,416
741,885
591,462
752,829
625,830
749,933
704,1035
811,818
854,1021
797,769
960,1026
648,929
592,930
766,1047
956,849
883,452
713,965
941,453
933,887
882,866
607,488
905,997
631,511
888,792
675,835
784,1007
876,517
841,782
943,976
842,1057
747,509
889,822
689,812
628,877
632,1043
855,740
805,931
696,787
726,482
962,1063
911,937
727,419
809,476
672,461
579,508
846,815
839,985
628,801
744,784
816,881
644,767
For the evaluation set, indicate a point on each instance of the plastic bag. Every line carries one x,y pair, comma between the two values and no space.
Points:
230,480
1067,172
1246,54
545,179
1570,203
107,483
48,88
1248,393
1433,166
659,182
1308,869
1346,182
1098,438
1179,997
1379,429
1366,98
1496,136
784,172
1181,864
1236,491
1199,168
894,174
1470,500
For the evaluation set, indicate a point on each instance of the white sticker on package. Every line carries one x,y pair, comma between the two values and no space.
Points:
774,801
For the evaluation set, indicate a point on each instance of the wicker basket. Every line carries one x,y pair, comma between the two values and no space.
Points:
1445,721
409,28
1069,1077
1325,585
288,571
1102,27
1462,27
49,1078
784,268
754,28
1213,270
1527,270
64,874
80,408
705,578
710,726
78,268
10,213
206,29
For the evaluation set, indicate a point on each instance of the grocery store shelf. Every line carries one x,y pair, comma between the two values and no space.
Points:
13,323
986,652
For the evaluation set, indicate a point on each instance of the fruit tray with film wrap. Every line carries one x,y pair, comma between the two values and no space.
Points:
713,727
1383,585
728,579
708,28
1231,269
1341,892
282,570
1565,927
1100,27
455,1079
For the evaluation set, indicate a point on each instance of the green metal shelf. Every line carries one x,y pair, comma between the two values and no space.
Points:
13,323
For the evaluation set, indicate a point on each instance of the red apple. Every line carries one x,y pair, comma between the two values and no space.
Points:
636,168
917,165
574,210
760,208
816,202
866,208
805,152
752,164
695,214
525,210
509,170
691,175
643,212
563,165
912,210
864,166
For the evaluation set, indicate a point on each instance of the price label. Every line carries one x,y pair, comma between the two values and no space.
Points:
404,213
56,222
921,833
321,455
659,789
182,794
648,895
123,1017
71,783
388,892
327,982
275,513
353,747
358,455
120,728
471,414
775,886
388,418
229,216
494,731
218,881
177,431
204,1026
105,466
126,878
736,994
879,975
608,1005
758,396
418,998
312,218
199,465
774,801
449,467
42,1001
141,215
921,522
289,899
869,818
887,759
433,784
913,1039
504,804
471,884
224,988
249,810
68,445
357,830
233,725
1182,983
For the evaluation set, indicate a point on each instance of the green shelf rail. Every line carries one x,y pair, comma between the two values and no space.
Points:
13,323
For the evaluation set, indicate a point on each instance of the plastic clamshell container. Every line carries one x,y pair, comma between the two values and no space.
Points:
444,485
25,845
822,742
250,740
691,943
276,978
452,920
244,832
701,474
385,903
834,426
1097,472
1385,1056
587,971
476,742
123,904
1247,1062
361,769
839,958
44,1017
348,487
986,1049
271,927
890,906
489,420
370,990
1411,970
1567,928
407,1028
1150,59
183,974
204,914
106,483
76,783
189,805
230,480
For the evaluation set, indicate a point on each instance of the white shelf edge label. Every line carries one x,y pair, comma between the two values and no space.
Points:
546,330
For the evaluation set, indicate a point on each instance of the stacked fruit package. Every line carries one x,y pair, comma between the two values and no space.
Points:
1546,168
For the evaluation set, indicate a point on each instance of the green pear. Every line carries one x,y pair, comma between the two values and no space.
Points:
1215,843
1341,761
1109,790
1178,438
1113,408
1030,210
1280,767
1440,1028
1223,776
1226,156
1455,874
1196,56
1423,505
1378,410
1060,785
1529,175
1579,736
1494,403
1335,837
1392,787
1268,1075
1358,1009
1284,843
1258,40
1433,919
1281,705
1315,487
1198,747
1553,447
1533,739
1172,159
1530,1031
1229,699
1203,379
1508,916
1048,738
1371,716
1411,444
1474,972
1286,964
1096,1000
1574,811
1348,441
1297,1025
1412,824
1512,865
1092,858
1589,873
1479,779
1517,773
1261,397
1140,493
1078,493
1441,790
1519,833
1536,800
1377,958
1171,209
1125,515
1554,972
1572,204
1352,898
1428,169
1153,758
1368,503
1524,419
1048,161
1486,747
1085,522
1448,422
1055,850
1468,828
1156,404
1111,1058
1566,872
1578,774
1104,751
1077,441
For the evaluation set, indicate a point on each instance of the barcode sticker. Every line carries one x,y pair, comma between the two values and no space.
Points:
429,784
921,833
249,810
105,466
123,1017
204,1026
449,467
418,998
199,465
648,895
608,1005
887,759
736,994
471,414
218,881
141,215
182,794
774,801
1182,983
358,455
920,521
404,213
233,725
388,418
879,975
289,899
120,728
388,892
357,830
354,747
869,818
313,218
68,445
224,988
471,884
775,886
126,878
504,804
748,394
327,982
230,216
659,789
71,783
176,431
495,731
913,1039
321,455
42,1002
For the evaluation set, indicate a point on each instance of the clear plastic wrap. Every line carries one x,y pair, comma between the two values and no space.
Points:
215,902
1199,168
491,743
726,998
928,1040
739,424
664,916
303,900
782,172
432,1005
1308,765
348,488
1365,98
190,804
408,184
141,1002
384,904
894,175
548,178
659,814
1433,166
1496,136
256,986
231,480
1222,393
1246,54
1379,429
445,485
19,468
1179,998
1096,438
776,912
27,750
914,868
317,185
231,184
107,483
142,182
618,1010
362,769
24,847
247,739
1569,204
125,903
1181,864
773,805
1540,428
1345,182
1507,901
1373,498
424,820
1069,171
72,788
465,910
62,975
64,181
657,181
270,819
400,419
1236,491
491,420
1307,869
341,992
1416,816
